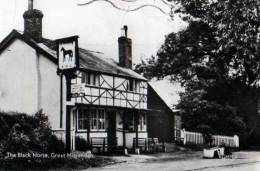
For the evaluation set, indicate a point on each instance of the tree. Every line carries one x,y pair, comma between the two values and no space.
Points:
163,6
216,58
206,115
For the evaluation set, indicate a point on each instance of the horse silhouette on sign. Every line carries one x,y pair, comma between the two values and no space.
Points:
66,53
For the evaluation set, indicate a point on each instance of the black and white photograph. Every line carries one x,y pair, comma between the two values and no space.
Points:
131,85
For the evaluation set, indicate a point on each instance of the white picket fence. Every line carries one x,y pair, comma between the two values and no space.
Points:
188,137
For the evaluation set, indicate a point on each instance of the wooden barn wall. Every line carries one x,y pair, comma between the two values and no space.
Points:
159,124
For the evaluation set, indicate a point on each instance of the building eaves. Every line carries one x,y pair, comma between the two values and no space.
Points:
89,60
95,61
159,97
18,35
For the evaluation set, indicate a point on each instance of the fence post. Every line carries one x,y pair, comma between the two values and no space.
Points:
236,141
176,136
197,138
183,136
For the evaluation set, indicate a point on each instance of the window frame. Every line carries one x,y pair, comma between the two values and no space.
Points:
133,85
83,119
142,122
90,78
94,119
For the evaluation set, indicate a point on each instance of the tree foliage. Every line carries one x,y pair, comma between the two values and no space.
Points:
216,58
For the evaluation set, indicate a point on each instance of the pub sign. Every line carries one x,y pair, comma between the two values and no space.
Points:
67,53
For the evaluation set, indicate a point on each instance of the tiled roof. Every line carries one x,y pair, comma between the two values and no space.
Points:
88,60
96,61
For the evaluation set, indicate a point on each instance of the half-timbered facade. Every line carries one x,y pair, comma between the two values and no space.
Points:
103,100
94,88
108,101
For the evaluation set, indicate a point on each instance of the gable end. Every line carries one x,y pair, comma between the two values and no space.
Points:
16,35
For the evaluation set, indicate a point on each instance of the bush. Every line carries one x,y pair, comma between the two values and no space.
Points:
17,140
67,164
32,134
81,144
23,133
55,145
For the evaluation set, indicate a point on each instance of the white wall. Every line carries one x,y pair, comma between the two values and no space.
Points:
129,138
92,134
29,82
18,79
122,96
129,135
50,91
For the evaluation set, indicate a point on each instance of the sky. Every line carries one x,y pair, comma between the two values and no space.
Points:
98,26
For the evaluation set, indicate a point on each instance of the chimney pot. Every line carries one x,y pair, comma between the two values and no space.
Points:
126,29
30,4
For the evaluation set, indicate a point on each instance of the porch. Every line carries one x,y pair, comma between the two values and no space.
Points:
108,129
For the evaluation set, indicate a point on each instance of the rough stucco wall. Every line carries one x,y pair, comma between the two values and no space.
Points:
18,78
29,82
50,91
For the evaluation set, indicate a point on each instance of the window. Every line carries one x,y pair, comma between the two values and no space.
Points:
130,122
142,122
82,119
137,85
90,78
97,119
133,85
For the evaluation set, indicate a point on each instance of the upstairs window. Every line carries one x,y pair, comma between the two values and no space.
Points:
133,85
90,78
137,86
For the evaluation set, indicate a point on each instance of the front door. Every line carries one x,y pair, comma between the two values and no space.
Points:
111,131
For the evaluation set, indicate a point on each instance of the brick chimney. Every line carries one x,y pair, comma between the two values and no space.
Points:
33,22
125,50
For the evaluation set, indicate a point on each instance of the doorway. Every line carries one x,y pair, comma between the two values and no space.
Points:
111,131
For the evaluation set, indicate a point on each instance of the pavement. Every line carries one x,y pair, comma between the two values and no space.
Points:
184,160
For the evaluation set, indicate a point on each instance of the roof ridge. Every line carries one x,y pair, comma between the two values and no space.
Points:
160,97
15,34
89,60
91,50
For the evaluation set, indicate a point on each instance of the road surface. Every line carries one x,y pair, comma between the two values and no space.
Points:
185,161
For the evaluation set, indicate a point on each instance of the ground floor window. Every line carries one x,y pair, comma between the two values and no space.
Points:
96,119
142,122
82,119
130,122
